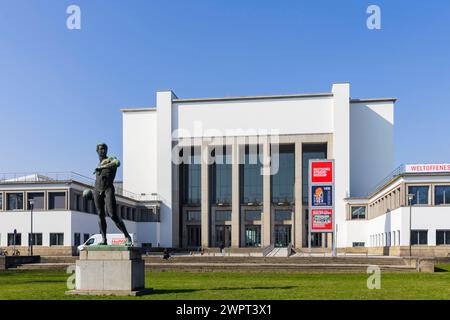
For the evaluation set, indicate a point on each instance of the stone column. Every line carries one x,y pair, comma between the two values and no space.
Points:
298,213
235,201
267,212
204,195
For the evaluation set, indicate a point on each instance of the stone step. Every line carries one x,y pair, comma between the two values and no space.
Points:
279,260
44,266
239,267
59,259
233,267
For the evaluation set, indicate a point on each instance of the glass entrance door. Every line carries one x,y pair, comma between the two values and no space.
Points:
253,236
194,234
282,235
223,236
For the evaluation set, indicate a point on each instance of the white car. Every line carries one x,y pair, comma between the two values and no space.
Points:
115,239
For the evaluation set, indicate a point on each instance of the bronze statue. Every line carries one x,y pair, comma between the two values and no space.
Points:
104,193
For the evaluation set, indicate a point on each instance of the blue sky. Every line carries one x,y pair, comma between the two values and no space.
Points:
61,90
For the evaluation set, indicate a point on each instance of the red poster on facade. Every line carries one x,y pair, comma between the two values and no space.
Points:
322,220
322,172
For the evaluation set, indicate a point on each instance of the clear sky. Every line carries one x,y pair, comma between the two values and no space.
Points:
61,90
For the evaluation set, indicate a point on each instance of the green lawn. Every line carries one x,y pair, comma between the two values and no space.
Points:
222,285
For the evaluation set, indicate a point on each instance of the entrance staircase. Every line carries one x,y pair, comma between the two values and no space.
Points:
277,261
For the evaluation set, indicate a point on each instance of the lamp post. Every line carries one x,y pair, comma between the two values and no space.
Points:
31,201
410,199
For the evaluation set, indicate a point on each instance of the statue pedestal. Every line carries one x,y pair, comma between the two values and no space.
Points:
110,270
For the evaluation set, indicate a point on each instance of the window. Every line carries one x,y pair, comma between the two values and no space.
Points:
223,215
76,239
281,215
56,239
283,180
192,177
251,215
15,201
251,178
419,237
36,238
358,244
420,194
193,215
14,241
85,237
221,177
1,201
78,202
38,198
442,195
56,200
91,206
358,212
442,237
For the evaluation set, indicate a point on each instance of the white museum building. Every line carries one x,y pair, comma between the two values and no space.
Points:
232,172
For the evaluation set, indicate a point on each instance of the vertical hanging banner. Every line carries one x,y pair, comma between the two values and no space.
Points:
321,195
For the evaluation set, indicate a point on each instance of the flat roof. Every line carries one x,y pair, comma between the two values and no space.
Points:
373,100
138,109
278,96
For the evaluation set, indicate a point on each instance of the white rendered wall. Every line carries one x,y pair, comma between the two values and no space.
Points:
164,160
67,222
140,152
287,116
423,218
45,222
371,145
341,154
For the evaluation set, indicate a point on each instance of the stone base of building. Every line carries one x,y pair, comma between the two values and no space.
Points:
108,270
43,251
401,251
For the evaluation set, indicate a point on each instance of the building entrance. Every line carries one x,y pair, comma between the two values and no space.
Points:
223,236
253,236
194,234
282,235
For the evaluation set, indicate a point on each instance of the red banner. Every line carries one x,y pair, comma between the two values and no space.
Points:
322,172
322,219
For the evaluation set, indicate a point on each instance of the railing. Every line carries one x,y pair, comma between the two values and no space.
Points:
46,177
289,250
268,250
398,171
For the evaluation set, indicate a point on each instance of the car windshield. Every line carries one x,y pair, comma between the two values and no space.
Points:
89,242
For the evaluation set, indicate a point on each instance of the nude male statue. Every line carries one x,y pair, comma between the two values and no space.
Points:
104,193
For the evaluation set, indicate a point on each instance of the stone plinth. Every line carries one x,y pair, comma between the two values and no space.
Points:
110,270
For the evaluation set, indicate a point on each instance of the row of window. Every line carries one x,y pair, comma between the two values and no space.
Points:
55,239
250,215
83,205
418,237
421,195
15,200
251,179
19,201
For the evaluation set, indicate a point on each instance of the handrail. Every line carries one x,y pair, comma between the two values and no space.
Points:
268,250
289,250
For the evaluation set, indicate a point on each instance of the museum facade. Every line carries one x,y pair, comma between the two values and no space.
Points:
232,172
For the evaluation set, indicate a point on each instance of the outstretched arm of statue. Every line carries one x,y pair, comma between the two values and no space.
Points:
110,162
